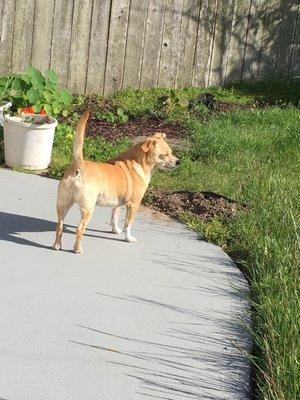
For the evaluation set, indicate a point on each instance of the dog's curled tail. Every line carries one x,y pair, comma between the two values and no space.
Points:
78,142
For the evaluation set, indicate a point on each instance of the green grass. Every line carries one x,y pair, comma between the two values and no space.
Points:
252,156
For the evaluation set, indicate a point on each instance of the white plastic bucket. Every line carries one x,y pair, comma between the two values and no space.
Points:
4,106
27,145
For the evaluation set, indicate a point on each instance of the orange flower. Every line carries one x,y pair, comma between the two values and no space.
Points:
30,110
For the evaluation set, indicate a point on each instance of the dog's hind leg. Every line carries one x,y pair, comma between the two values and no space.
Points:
62,210
85,217
114,220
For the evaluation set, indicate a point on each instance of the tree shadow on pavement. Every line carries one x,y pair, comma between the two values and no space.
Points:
199,352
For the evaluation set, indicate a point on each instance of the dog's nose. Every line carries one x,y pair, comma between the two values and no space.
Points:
178,161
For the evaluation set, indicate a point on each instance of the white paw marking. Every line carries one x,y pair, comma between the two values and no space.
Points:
77,250
117,230
56,246
130,239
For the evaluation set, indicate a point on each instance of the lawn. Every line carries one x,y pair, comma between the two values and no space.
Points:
248,151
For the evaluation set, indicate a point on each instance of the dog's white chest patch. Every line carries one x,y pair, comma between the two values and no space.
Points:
107,201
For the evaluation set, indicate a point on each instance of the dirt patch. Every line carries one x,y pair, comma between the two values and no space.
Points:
204,205
134,129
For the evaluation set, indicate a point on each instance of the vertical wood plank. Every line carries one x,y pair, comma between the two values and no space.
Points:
286,36
7,10
61,39
98,46
152,45
189,26
295,58
135,43
205,35
42,35
237,45
270,39
170,43
23,32
80,40
116,45
254,40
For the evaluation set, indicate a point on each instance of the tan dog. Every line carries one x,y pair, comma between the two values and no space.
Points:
117,182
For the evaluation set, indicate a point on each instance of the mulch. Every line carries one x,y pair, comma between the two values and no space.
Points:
203,205
133,128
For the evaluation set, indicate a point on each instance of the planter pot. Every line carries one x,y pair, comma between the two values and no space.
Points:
3,107
28,145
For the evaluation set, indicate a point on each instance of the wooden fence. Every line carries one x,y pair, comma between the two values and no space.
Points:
104,45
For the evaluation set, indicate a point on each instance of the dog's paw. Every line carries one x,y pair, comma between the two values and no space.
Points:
77,249
56,246
130,239
117,230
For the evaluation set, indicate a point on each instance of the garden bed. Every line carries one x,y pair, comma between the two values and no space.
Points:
202,205
133,129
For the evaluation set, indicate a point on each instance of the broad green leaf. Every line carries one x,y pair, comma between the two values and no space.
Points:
48,97
3,81
33,96
52,77
37,107
26,79
39,86
35,76
50,87
65,97
16,84
48,109
56,107
65,113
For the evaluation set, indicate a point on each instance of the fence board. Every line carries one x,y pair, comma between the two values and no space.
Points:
42,35
152,45
254,40
295,58
270,39
221,42
286,36
7,10
116,45
22,37
189,26
98,46
170,43
238,39
135,42
80,40
207,19
61,40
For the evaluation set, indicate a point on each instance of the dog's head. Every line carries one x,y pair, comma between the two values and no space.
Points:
158,152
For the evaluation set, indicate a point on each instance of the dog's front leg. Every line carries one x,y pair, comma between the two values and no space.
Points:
131,209
114,220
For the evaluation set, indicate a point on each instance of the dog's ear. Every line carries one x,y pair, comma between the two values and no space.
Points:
160,135
148,145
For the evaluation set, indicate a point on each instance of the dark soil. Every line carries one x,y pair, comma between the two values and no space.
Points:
204,205
134,128
146,126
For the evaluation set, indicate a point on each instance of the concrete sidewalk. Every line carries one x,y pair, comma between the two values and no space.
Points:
159,319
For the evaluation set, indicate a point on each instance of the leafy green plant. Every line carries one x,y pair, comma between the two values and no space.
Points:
34,89
118,117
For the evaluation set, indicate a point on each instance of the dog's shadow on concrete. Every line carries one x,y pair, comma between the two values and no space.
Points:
12,227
